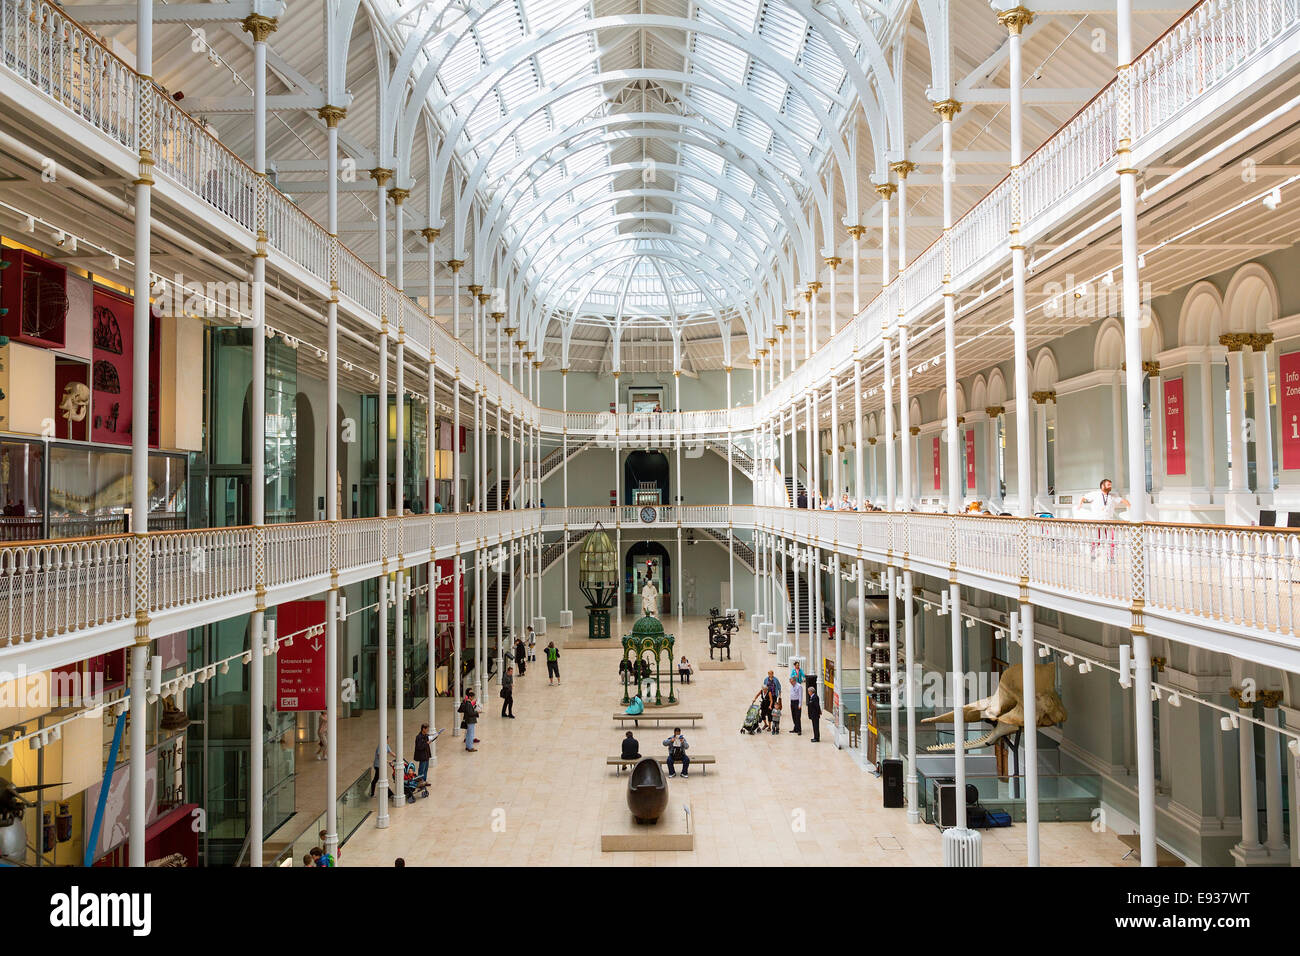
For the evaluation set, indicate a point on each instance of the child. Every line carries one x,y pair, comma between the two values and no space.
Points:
532,644
776,714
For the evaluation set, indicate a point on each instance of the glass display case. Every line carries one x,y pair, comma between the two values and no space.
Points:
74,489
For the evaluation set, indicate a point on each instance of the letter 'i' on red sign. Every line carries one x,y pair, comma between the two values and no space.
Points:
937,469
1288,407
1175,428
970,459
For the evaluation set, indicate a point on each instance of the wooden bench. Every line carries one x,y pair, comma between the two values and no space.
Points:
1134,844
618,763
670,715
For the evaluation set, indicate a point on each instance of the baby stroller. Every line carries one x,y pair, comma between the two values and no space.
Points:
752,717
413,784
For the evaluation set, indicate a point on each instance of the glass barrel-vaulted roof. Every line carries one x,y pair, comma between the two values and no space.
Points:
630,137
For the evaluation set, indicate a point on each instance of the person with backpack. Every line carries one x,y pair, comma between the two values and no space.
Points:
469,710
677,747
552,663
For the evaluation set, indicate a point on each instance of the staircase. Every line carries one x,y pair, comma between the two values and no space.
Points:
793,581
500,492
793,489
738,459
496,603
554,550
743,552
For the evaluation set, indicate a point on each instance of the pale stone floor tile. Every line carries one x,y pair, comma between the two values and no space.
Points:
546,772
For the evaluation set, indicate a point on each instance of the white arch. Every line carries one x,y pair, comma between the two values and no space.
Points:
1251,302
1200,321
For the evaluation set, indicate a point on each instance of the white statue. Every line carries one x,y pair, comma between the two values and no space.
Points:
76,399
649,599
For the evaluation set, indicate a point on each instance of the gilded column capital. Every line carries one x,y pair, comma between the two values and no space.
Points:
1044,396
430,234
946,109
381,176
498,316
814,287
833,262
332,115
474,290
857,232
1015,19
993,411
259,25
1234,341
398,195
455,265
886,192
903,167
1270,698
1259,341
914,430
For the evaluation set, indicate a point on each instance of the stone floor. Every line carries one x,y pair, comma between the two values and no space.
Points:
533,792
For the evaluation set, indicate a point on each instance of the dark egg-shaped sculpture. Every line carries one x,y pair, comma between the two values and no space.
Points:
647,791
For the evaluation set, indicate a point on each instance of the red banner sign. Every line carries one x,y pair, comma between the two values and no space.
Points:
970,459
445,591
300,667
937,469
1288,407
1175,428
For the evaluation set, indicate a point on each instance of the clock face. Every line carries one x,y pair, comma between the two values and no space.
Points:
648,514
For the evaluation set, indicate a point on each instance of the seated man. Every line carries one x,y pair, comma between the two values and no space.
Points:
631,749
677,745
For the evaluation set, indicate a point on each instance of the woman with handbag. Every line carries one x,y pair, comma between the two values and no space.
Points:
508,693
469,710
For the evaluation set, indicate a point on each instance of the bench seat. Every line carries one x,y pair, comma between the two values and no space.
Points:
672,716
618,763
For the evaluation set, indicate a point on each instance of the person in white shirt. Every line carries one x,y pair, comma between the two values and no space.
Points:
1106,502
796,703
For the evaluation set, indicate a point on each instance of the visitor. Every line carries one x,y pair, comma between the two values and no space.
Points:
776,714
684,670
631,748
845,503
770,683
796,671
521,656
637,706
437,506
803,499
677,746
374,781
322,735
338,854
307,860
796,704
399,862
814,711
532,644
1104,505
423,752
469,711
764,698
508,693
320,857
552,664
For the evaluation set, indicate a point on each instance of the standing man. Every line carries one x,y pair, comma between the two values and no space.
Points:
552,664
469,719
508,693
521,656
1105,504
796,704
677,747
423,753
814,711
